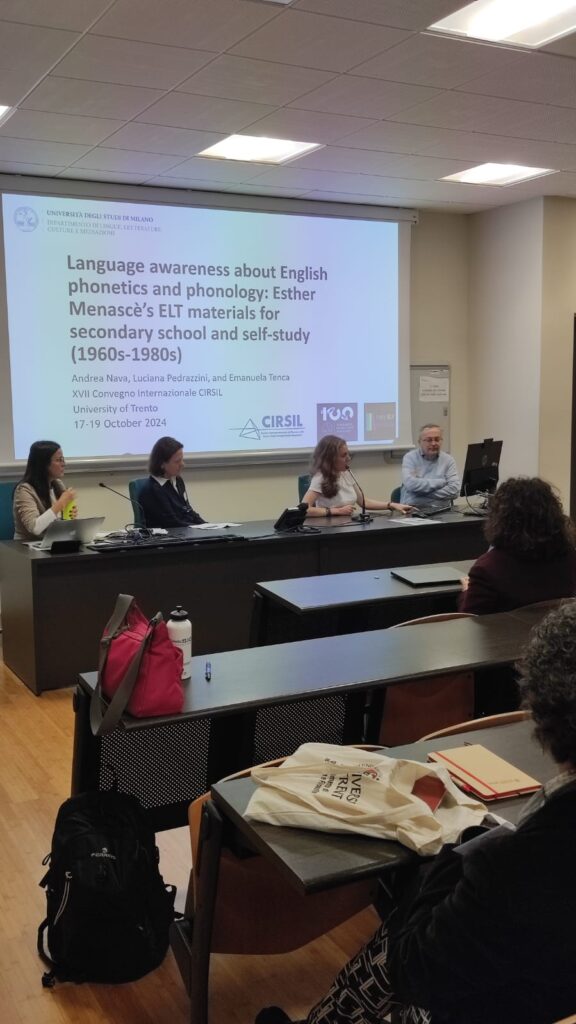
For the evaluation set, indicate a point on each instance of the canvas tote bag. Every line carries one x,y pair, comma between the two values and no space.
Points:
330,788
139,669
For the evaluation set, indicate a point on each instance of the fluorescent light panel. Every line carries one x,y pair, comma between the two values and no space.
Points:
521,22
498,174
259,149
5,113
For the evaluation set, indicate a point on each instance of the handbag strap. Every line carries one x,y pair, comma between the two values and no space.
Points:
101,721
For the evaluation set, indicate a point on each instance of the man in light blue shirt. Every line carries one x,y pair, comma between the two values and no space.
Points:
429,475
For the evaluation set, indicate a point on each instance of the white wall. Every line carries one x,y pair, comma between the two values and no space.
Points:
558,309
505,314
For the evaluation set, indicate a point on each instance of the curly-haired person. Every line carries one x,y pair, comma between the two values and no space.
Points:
532,555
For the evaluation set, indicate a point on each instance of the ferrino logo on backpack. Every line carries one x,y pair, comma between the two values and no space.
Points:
108,909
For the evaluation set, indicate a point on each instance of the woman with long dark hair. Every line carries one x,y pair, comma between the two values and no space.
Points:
41,496
163,498
532,555
332,490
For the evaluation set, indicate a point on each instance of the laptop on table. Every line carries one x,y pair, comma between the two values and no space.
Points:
69,534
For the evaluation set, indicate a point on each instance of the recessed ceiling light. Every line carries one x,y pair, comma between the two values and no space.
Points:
5,113
498,174
259,149
521,22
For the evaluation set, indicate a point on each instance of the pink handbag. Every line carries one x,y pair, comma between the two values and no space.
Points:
139,669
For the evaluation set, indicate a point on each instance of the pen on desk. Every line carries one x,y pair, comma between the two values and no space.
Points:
208,671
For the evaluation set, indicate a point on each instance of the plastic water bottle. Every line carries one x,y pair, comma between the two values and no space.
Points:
180,632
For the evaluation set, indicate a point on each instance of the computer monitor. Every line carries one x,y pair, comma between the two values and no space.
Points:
480,474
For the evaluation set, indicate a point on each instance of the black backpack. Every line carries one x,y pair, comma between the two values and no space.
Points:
108,909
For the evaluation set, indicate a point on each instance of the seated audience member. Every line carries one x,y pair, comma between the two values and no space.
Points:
332,490
163,498
486,935
429,475
41,497
532,555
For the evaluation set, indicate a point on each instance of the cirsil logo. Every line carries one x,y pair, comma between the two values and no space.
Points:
26,218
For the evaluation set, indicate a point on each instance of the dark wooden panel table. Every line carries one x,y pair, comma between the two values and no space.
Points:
44,596
346,602
312,861
264,702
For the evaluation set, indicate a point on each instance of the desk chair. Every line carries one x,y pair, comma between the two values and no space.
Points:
6,517
303,485
134,489
396,494
425,704
488,722
242,905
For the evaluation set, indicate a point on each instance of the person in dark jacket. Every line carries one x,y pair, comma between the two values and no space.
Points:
485,933
163,498
532,554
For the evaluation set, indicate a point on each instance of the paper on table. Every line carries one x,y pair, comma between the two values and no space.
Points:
407,521
211,526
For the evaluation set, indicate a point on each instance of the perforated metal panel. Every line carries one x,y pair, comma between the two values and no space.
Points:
160,765
281,728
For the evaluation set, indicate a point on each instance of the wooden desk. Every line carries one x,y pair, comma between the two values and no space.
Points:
312,861
44,594
345,602
264,702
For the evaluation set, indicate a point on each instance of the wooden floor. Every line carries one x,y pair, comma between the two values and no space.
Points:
35,762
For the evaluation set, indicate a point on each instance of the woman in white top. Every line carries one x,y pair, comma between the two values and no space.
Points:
332,490
41,497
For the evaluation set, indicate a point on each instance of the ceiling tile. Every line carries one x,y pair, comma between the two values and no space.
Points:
198,24
464,112
435,61
37,49
18,167
534,77
407,14
78,174
34,124
364,97
15,84
396,138
154,138
305,125
480,148
76,15
92,99
101,59
337,158
218,170
183,110
33,151
255,81
103,159
314,41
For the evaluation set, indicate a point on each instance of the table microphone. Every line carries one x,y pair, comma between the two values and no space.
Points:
132,501
364,516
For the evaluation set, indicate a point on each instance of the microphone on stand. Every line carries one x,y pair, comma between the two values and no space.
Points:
364,516
126,498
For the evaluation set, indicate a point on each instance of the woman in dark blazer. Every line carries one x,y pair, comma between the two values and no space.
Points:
163,498
532,555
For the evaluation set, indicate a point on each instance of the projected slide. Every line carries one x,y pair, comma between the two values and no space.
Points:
232,331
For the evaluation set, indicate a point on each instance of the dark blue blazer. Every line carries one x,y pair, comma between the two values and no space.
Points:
166,506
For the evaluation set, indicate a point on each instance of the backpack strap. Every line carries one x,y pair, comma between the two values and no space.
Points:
101,721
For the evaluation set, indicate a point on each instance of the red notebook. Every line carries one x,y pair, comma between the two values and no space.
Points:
481,772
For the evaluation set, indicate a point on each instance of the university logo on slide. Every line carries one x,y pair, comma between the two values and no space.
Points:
339,418
26,218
